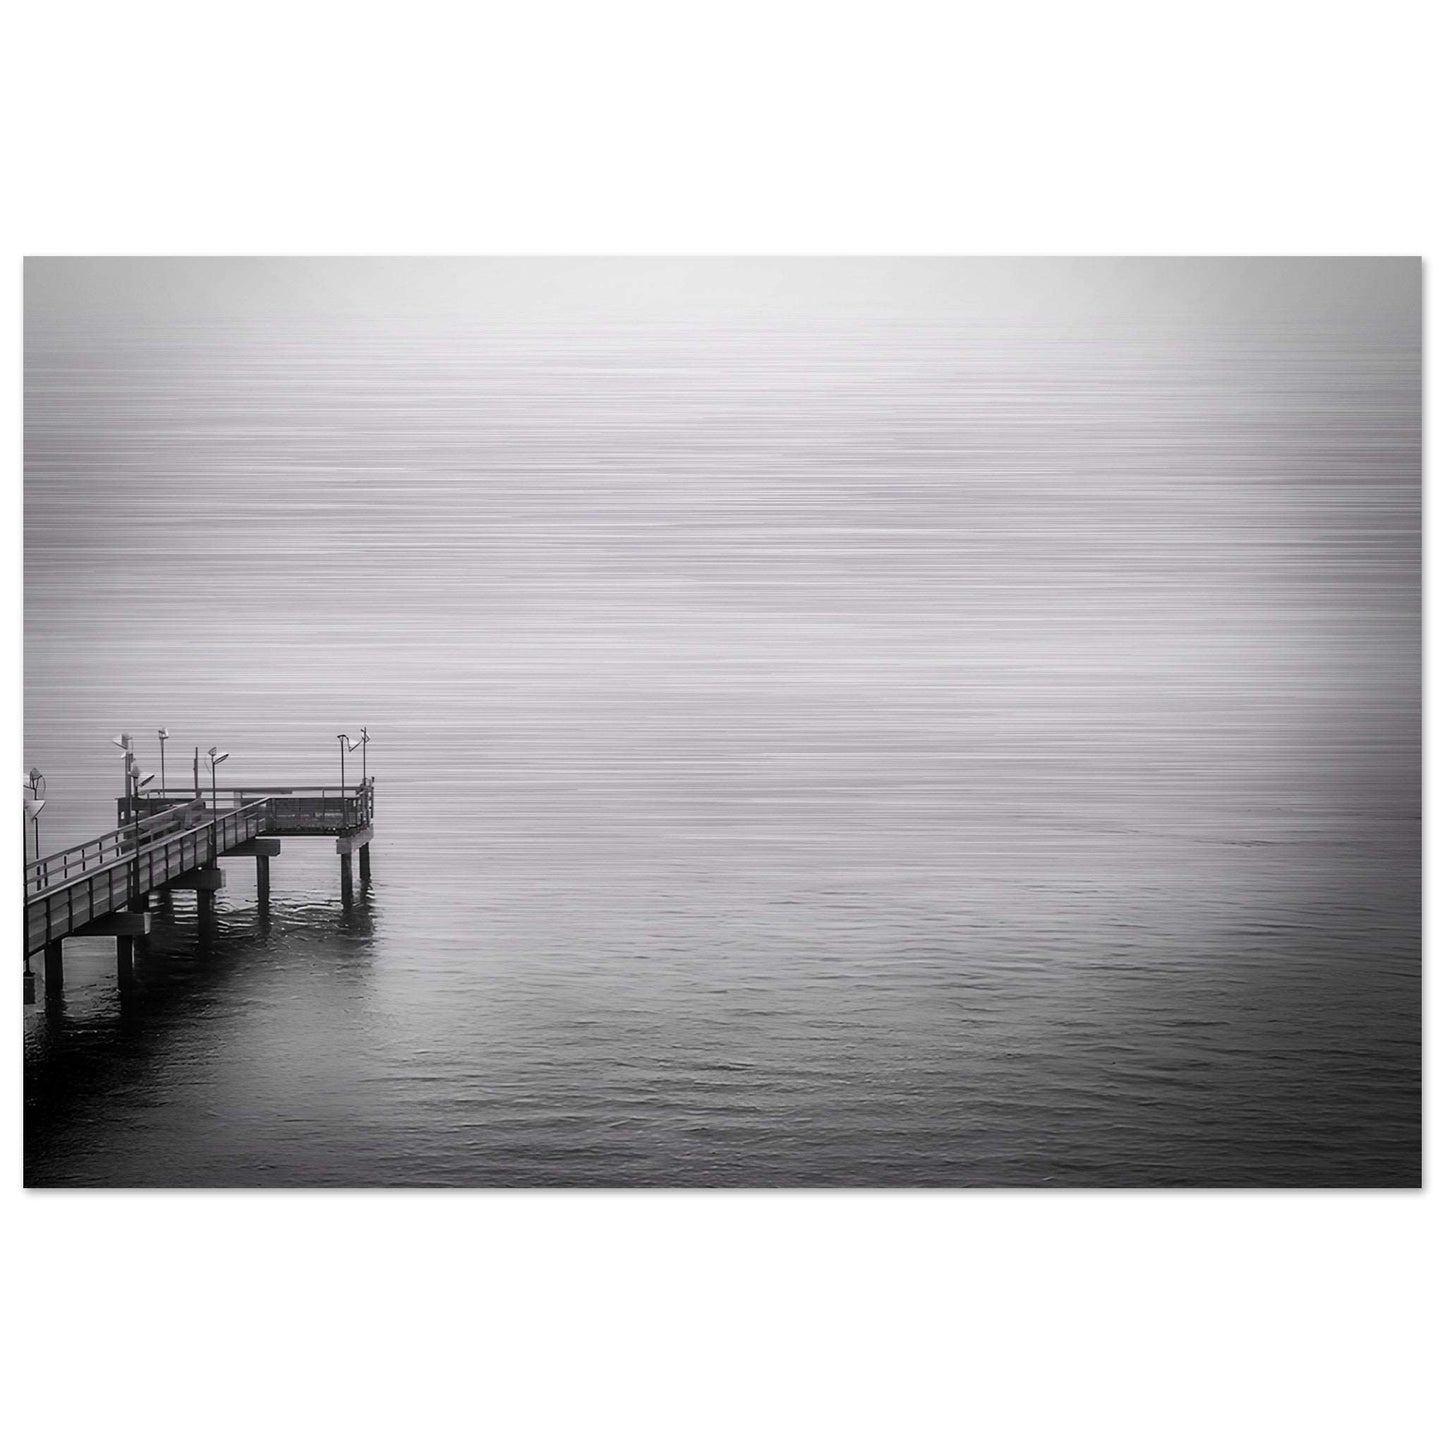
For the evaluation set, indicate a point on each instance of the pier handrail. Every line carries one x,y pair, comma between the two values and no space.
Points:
351,808
222,824
352,790
66,906
76,861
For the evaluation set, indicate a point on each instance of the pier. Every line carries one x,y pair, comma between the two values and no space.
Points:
176,842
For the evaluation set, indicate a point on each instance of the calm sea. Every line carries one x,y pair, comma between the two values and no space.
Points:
887,755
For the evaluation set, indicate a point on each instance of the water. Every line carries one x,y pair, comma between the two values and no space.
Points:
881,753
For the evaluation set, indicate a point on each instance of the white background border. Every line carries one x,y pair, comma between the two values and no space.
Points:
748,128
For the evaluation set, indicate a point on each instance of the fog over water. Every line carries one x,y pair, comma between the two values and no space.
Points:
836,722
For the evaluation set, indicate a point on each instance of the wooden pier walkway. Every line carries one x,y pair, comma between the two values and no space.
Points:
176,841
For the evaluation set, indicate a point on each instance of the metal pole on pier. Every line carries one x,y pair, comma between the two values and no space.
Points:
24,919
35,781
216,760
137,782
347,746
123,742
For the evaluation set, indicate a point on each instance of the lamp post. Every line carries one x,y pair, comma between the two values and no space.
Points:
139,780
125,743
35,782
163,734
216,760
347,746
136,780
365,776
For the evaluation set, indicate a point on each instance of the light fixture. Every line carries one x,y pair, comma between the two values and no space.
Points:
34,784
216,759
347,746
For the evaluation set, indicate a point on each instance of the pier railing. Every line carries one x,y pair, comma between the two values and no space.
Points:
298,811
65,906
44,873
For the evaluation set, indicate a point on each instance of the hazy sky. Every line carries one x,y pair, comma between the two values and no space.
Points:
701,289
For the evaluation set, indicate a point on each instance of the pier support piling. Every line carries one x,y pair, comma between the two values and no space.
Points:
356,841
263,881
364,859
54,970
203,882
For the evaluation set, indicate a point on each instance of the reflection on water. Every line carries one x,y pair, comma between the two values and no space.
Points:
898,756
